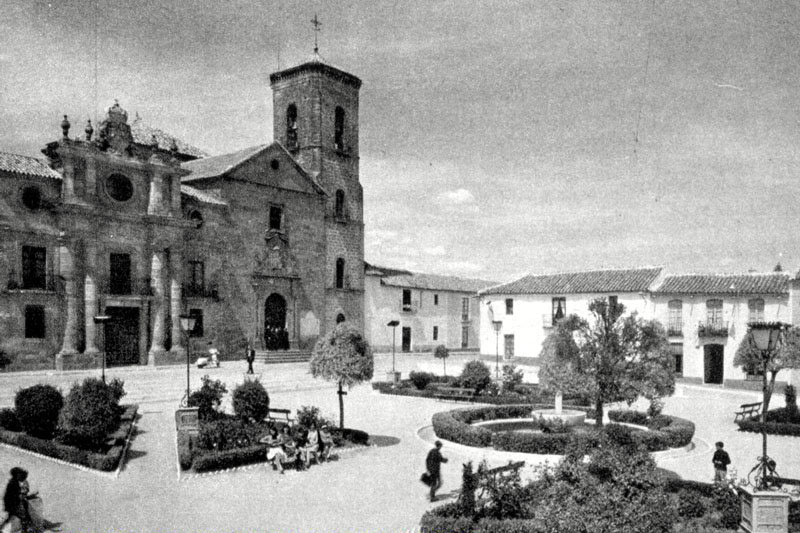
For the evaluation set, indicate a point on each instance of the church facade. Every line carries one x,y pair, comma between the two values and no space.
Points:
263,246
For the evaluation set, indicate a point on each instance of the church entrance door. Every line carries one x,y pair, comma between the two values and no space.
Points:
276,337
122,336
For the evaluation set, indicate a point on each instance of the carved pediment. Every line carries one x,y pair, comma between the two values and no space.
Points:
275,258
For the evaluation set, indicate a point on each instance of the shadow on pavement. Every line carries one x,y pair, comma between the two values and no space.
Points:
382,441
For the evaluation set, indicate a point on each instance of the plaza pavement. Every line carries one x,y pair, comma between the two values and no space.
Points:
372,490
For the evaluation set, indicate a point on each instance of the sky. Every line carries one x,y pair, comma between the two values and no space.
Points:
497,138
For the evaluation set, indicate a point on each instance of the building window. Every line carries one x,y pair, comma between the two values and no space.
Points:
756,308
613,301
436,333
465,309
464,336
406,303
339,281
675,319
275,218
559,309
339,210
291,126
274,164
509,306
34,267
676,349
197,314
338,134
34,322
32,197
508,346
119,274
340,318
714,313
119,187
435,299
197,276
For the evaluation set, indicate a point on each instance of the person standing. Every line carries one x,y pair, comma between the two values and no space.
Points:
721,461
433,463
213,354
251,357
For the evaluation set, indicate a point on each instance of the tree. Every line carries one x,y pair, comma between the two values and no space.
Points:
611,357
768,364
442,353
345,357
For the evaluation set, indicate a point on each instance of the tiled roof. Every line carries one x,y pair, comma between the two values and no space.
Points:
23,164
207,197
415,280
384,271
143,134
218,165
767,283
596,281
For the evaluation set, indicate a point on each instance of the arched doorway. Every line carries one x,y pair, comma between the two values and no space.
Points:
276,337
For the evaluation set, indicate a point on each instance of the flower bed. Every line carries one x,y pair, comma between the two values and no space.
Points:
106,462
665,431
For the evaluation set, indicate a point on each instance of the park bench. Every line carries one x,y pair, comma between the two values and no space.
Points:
496,471
282,415
454,394
748,410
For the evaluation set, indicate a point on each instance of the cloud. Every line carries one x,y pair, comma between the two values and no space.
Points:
457,197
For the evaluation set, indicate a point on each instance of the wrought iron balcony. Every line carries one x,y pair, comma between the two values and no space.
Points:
675,329
712,328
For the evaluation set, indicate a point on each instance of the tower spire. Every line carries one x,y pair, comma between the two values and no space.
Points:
317,28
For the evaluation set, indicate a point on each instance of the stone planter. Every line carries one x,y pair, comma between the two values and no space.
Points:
393,377
187,419
764,511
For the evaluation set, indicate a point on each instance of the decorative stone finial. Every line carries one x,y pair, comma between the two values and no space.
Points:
65,126
89,130
154,141
117,114
173,145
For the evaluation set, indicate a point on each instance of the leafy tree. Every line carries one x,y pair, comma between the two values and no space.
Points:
441,352
345,357
753,360
610,358
512,377
91,411
208,398
251,401
476,375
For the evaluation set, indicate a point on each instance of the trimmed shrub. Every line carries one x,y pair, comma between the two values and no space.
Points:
251,401
690,504
229,458
421,379
790,398
433,522
512,378
208,398
356,436
446,426
9,420
771,428
513,525
37,409
227,432
91,412
117,389
475,375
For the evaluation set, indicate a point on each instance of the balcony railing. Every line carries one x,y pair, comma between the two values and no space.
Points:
408,308
675,329
193,290
712,328
47,283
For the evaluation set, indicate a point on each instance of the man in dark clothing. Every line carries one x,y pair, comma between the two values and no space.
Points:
721,461
251,356
433,464
12,499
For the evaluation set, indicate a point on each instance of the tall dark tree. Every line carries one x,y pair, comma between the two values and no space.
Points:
611,357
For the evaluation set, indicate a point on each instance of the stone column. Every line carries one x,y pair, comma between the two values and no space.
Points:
90,297
68,182
90,189
156,204
159,305
67,270
176,195
175,297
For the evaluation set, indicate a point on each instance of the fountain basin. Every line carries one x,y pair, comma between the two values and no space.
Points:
569,417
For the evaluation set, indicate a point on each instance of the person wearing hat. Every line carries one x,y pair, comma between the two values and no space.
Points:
433,463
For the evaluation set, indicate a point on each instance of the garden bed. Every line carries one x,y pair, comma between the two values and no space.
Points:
106,462
665,431
781,421
525,393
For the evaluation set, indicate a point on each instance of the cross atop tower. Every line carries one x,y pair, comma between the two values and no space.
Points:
317,28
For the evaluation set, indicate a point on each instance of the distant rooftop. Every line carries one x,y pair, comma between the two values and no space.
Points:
416,280
772,283
594,281
29,166
218,165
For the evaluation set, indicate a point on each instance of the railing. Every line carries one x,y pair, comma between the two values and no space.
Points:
48,283
408,308
675,329
712,328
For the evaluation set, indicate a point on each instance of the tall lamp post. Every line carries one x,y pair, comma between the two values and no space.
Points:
766,337
393,324
497,325
187,324
102,320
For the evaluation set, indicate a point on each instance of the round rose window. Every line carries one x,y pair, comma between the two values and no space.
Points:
119,187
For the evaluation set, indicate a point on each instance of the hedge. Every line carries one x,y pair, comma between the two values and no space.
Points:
772,428
532,394
98,461
206,462
456,426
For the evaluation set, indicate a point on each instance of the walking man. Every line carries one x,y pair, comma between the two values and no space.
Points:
721,461
251,356
433,463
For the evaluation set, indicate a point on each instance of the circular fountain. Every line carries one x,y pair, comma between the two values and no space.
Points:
570,417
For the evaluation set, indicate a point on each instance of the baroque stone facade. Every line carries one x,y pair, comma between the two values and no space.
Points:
261,246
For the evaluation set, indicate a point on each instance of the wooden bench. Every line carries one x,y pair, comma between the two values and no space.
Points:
285,413
748,410
510,467
454,393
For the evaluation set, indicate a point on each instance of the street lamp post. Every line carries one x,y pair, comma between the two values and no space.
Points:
103,320
393,324
497,325
187,324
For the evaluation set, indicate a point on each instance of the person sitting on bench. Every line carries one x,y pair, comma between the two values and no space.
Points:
290,448
325,443
311,447
275,453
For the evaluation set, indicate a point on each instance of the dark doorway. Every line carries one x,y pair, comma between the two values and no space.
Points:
714,360
340,318
276,337
122,336
406,347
